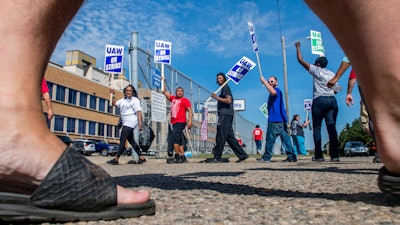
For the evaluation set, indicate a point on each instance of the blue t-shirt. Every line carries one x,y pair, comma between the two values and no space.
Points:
276,108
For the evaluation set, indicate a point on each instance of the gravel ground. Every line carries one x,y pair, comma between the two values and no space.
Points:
303,192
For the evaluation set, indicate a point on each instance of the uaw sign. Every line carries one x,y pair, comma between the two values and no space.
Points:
307,104
253,36
162,52
113,59
240,69
316,43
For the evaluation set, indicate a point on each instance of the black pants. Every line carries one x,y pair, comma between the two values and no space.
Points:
127,134
225,134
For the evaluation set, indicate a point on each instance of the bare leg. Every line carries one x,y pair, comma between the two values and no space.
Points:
30,30
370,41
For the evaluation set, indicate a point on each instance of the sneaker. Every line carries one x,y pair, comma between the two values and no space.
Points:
242,159
289,160
388,182
176,159
113,162
213,160
261,160
140,161
376,159
259,152
335,160
317,160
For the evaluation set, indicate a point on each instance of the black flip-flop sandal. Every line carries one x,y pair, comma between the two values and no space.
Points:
388,182
74,190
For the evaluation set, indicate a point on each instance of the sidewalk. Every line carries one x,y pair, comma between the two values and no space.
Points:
303,192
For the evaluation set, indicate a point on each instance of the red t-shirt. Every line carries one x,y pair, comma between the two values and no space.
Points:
178,109
352,75
257,133
44,86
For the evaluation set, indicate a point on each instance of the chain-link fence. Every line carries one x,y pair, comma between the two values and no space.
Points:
197,96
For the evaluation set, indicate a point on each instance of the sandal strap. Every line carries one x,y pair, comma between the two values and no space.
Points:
74,183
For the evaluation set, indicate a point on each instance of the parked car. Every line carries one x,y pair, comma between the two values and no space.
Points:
103,148
355,148
67,140
86,147
111,150
127,151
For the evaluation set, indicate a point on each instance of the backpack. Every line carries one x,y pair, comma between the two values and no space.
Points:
146,137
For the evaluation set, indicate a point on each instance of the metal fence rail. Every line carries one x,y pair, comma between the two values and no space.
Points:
196,94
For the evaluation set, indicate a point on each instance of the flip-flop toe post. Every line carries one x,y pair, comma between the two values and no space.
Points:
74,190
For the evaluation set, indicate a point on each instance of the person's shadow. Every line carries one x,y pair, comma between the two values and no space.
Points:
188,182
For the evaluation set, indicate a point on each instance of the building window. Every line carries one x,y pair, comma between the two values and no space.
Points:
72,96
60,93
92,102
92,128
100,129
109,130
116,131
102,104
50,86
71,125
58,123
110,109
81,126
83,99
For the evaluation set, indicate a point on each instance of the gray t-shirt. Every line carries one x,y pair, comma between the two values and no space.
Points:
321,78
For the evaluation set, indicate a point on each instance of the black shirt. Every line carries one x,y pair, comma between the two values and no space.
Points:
224,108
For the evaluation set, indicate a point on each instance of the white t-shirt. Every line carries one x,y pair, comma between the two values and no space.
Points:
321,78
128,108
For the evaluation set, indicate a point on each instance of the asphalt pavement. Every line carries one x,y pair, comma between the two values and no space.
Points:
302,192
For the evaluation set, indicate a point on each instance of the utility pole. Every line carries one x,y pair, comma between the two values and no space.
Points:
285,79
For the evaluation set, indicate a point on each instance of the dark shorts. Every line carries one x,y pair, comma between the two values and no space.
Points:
177,132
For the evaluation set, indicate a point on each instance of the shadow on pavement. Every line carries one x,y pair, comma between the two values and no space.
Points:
186,182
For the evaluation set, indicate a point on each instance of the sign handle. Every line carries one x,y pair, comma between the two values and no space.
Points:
259,65
162,75
220,87
308,118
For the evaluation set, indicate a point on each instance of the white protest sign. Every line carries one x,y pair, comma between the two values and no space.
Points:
253,36
113,59
143,104
264,109
238,105
158,107
162,52
316,43
307,104
240,69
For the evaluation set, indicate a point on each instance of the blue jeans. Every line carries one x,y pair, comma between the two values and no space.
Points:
273,131
325,107
302,149
258,144
296,148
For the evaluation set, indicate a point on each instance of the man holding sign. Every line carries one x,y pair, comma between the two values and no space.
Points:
276,122
224,126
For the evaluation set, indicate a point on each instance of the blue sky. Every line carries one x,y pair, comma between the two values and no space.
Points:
210,36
